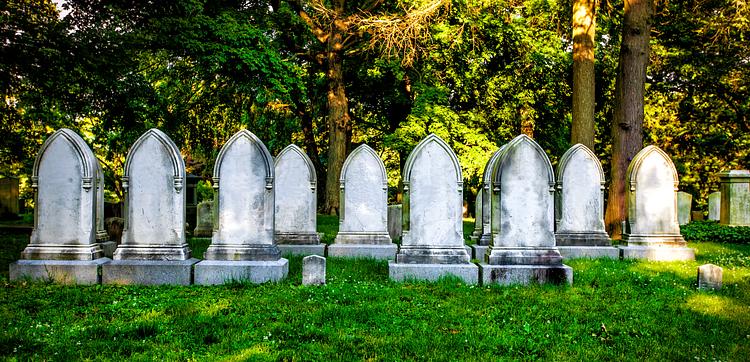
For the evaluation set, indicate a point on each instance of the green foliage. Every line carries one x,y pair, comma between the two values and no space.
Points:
205,190
711,231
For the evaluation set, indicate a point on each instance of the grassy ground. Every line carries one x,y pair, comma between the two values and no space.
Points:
615,310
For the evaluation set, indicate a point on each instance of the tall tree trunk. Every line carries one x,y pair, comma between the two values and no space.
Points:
627,123
338,118
584,27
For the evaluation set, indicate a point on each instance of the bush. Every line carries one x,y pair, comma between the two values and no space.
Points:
711,231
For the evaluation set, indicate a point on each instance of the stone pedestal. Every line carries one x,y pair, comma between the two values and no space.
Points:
590,252
525,274
59,271
469,273
478,251
384,252
108,247
300,249
735,198
657,253
213,272
149,272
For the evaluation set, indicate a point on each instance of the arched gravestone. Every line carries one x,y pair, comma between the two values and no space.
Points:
523,241
579,206
432,243
243,246
296,203
651,230
63,245
482,244
108,246
153,248
714,206
363,224
204,219
684,207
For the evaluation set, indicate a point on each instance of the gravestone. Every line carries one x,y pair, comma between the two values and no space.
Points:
9,197
479,250
714,206
709,277
477,233
523,247
363,224
204,219
153,250
651,230
684,207
735,198
243,246
296,203
313,270
696,215
432,243
114,226
579,206
63,246
394,221
102,237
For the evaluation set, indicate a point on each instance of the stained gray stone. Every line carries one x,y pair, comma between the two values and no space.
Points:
525,274
479,251
114,227
302,249
108,248
710,277
714,206
213,272
149,272
652,231
394,221
684,207
735,198
58,271
296,198
477,233
154,201
313,270
468,273
589,252
101,231
65,182
433,206
486,238
205,219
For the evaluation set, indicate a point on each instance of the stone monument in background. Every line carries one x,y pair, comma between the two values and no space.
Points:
735,198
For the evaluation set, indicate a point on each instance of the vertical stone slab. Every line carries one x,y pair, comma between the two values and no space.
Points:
63,245
710,277
102,237
735,198
204,219
153,248
296,203
479,249
432,243
651,230
313,270
714,206
579,206
394,221
684,207
477,233
523,245
363,220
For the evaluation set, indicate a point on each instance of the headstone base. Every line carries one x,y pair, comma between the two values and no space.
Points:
58,271
475,236
297,238
657,253
592,252
653,240
316,249
544,256
399,272
203,232
363,238
149,272
108,247
478,251
230,252
433,254
152,252
525,274
382,252
62,252
213,272
582,239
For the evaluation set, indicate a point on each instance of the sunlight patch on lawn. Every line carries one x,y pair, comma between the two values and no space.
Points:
720,307
249,353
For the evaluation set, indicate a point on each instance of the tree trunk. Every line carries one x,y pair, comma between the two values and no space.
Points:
627,123
584,26
338,119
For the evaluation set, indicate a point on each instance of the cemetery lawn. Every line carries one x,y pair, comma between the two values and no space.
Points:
629,310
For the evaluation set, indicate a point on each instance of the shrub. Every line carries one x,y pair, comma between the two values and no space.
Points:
713,232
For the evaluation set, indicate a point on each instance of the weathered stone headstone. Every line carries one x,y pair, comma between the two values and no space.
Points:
102,237
735,198
684,207
479,249
523,247
579,211
114,226
243,246
9,197
710,277
313,270
477,233
153,249
205,219
432,243
714,206
296,203
363,224
394,221
63,246
652,231
696,215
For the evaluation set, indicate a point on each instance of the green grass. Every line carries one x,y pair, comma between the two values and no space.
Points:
631,310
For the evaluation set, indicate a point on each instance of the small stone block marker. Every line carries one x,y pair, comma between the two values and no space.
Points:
709,277
313,270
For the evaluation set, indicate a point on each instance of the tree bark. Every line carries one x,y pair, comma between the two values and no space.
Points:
627,123
584,27
339,124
